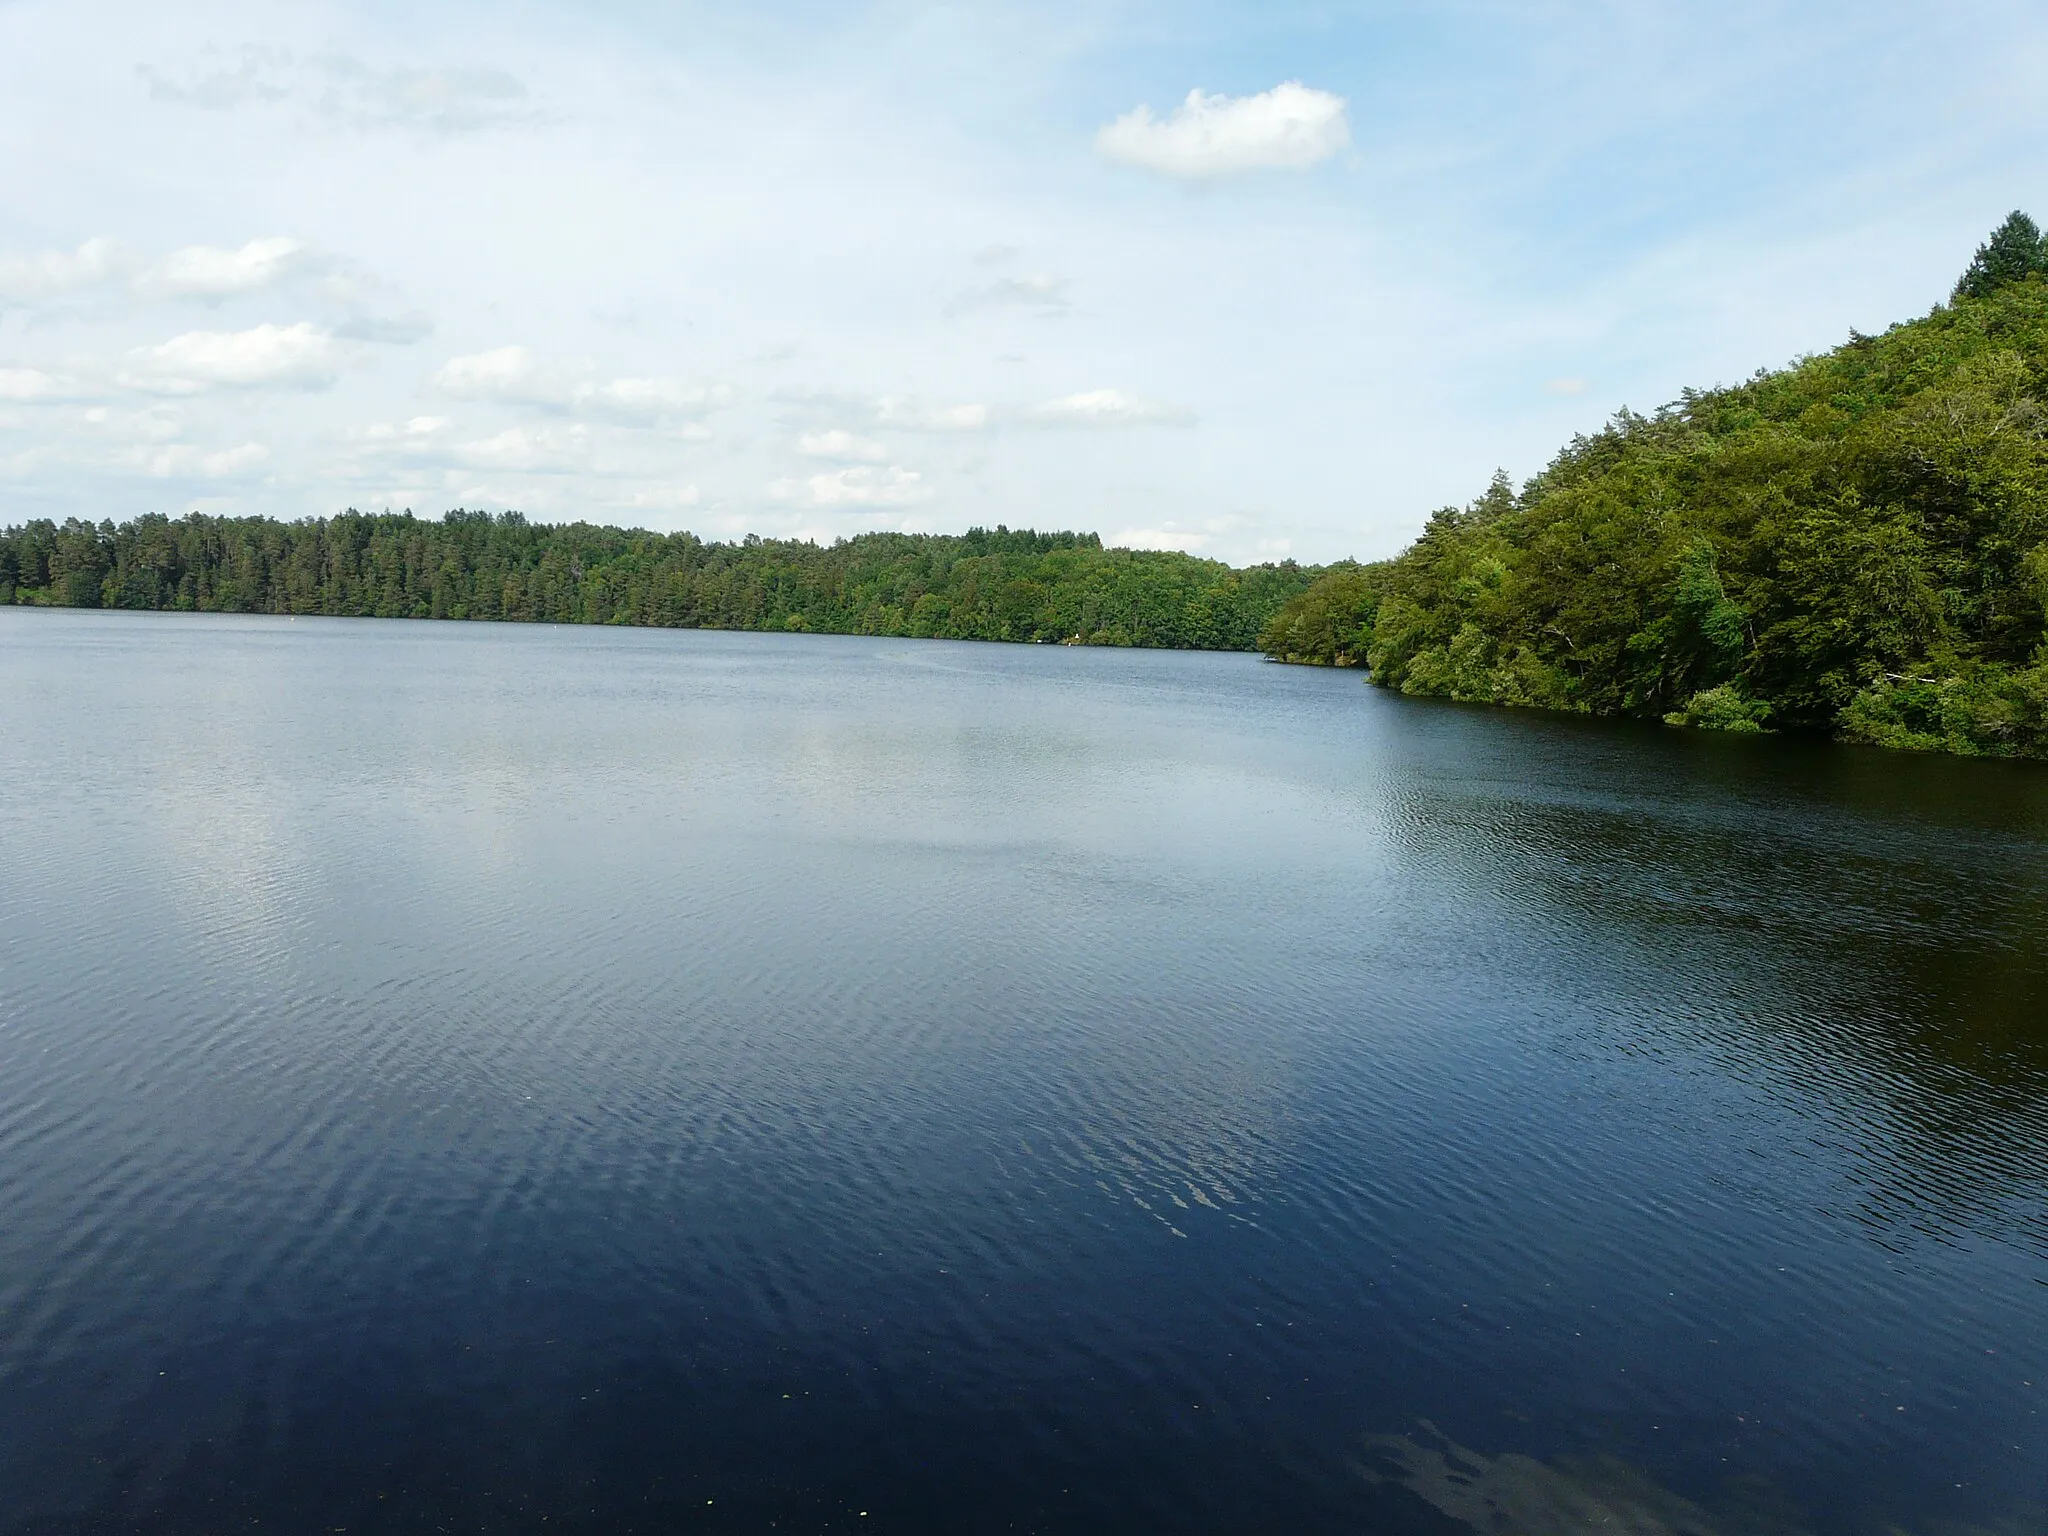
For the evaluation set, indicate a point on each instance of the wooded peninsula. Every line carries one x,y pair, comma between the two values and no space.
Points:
1856,545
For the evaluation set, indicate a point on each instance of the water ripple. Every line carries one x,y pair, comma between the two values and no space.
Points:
470,1076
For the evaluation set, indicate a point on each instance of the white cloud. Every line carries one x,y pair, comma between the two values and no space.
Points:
1106,408
902,411
838,443
1565,387
22,386
863,486
182,459
1286,128
515,376
648,402
298,356
56,272
529,448
208,272
211,274
1227,529
413,434
195,271
345,90
507,375
94,438
153,424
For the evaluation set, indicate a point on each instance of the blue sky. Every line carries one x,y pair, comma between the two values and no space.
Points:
814,269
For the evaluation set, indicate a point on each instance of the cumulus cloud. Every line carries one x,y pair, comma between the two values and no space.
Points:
27,386
97,439
416,434
862,486
507,375
838,443
153,424
902,411
515,376
1286,128
348,91
208,272
185,461
1106,408
528,448
298,356
212,274
649,402
51,273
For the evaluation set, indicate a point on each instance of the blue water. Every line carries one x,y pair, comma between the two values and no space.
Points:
463,1077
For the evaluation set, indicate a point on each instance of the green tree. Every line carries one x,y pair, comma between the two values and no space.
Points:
1330,624
1857,544
1000,584
2012,253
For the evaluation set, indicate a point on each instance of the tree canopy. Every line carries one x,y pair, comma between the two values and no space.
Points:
999,584
2014,251
1856,544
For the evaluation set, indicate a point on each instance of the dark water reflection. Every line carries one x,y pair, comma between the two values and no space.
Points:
1856,930
457,1077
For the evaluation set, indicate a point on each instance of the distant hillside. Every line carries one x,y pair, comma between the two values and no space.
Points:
1001,585
1857,544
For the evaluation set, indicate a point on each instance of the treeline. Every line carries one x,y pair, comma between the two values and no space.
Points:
1003,584
1857,544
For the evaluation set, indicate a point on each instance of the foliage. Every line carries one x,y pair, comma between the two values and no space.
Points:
2014,250
1855,544
1723,707
1329,624
1001,584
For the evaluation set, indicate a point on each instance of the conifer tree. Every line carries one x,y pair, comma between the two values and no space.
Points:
2013,251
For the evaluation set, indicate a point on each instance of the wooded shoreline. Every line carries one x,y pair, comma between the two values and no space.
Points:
1856,545
1000,584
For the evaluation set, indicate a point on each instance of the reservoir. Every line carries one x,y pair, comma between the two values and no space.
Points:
464,1077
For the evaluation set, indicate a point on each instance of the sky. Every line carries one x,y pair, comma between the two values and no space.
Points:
1259,281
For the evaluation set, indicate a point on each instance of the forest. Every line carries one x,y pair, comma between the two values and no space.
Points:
1856,544
1001,584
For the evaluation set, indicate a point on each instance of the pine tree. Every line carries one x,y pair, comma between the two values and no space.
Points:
1498,501
2014,250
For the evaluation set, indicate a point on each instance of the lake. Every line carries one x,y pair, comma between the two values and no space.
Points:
469,1077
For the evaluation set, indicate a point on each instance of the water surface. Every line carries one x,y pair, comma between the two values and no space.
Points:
461,1077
